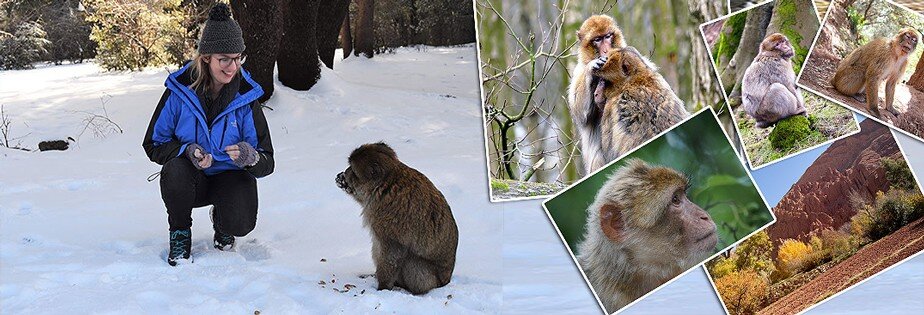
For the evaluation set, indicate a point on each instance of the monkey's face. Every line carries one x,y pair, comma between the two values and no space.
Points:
369,164
599,34
778,44
647,207
908,40
699,231
342,181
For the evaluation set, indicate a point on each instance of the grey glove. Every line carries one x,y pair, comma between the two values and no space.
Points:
246,155
200,159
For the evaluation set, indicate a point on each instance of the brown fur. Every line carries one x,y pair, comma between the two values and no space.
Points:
641,231
865,68
414,236
768,88
585,91
639,103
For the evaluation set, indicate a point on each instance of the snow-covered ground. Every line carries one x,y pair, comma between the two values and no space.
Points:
83,231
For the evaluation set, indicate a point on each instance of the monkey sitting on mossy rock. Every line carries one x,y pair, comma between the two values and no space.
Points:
791,130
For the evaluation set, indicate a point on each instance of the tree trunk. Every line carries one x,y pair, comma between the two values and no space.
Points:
754,32
917,78
346,38
704,76
365,34
330,19
261,22
706,91
299,67
789,18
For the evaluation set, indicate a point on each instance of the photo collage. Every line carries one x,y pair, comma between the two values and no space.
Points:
462,157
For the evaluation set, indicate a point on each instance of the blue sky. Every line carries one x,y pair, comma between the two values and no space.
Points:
775,180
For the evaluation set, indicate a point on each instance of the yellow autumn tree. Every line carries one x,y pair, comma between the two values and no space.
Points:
743,292
794,255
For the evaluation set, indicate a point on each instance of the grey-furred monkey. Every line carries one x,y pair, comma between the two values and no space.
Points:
414,235
641,231
639,102
768,89
596,37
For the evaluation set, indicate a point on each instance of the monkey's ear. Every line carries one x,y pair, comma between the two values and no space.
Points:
611,222
626,67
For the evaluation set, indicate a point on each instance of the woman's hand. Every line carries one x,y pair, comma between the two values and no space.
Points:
243,154
197,155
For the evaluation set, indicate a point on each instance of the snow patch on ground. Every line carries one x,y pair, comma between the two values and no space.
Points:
83,231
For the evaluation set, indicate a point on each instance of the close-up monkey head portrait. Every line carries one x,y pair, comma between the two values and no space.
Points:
642,230
414,235
661,210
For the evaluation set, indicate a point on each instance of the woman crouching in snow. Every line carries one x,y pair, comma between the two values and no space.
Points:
210,135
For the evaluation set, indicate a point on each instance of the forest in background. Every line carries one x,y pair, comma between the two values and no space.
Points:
527,51
294,37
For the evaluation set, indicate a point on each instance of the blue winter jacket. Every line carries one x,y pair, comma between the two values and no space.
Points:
179,120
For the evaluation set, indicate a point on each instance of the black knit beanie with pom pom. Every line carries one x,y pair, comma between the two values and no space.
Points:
221,34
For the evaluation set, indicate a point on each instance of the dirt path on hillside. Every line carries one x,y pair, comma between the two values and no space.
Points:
868,261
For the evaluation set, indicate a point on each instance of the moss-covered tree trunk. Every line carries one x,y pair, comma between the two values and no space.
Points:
792,19
754,31
261,22
298,64
331,14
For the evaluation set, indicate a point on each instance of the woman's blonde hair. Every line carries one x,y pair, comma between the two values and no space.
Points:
202,77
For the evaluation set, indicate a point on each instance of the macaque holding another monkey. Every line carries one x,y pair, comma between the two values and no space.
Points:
864,69
641,232
414,236
768,89
639,102
596,37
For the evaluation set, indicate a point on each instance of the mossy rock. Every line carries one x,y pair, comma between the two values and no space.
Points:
504,189
499,185
789,131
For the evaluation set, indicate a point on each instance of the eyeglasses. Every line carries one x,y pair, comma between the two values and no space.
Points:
225,61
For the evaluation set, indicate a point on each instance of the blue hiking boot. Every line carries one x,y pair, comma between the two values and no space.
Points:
180,246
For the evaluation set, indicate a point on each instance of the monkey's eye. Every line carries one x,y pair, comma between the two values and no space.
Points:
676,199
608,36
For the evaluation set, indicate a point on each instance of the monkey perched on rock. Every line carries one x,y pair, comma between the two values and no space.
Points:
639,103
414,236
864,69
641,232
768,89
596,37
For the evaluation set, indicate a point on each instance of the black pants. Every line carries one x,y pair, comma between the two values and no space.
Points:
233,193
